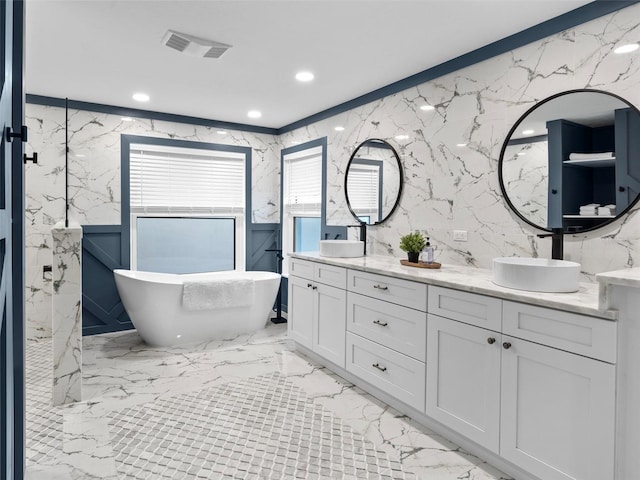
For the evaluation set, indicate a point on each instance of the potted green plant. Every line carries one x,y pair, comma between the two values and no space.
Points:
413,243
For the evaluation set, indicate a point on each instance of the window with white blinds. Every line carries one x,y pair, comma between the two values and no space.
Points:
180,179
302,193
363,184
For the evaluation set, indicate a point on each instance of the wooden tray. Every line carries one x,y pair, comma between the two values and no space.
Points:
420,264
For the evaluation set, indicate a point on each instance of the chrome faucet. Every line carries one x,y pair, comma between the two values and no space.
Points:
557,245
363,234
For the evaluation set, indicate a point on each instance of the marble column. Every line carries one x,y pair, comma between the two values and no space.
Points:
67,313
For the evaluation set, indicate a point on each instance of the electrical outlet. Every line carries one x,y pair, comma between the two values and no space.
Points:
460,235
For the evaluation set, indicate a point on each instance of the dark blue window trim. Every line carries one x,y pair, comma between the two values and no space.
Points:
125,212
580,15
319,142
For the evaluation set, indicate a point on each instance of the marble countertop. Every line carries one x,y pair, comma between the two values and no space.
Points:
588,300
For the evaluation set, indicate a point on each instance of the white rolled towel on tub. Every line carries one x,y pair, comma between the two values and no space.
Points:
213,294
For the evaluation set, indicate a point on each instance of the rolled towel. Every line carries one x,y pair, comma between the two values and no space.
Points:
589,156
212,294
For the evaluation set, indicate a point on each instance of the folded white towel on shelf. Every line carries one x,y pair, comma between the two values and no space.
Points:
589,156
589,210
607,210
212,294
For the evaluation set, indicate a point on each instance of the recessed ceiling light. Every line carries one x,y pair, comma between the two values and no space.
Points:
80,155
630,47
127,119
254,114
402,137
221,132
304,76
339,129
520,154
461,144
527,132
427,108
141,97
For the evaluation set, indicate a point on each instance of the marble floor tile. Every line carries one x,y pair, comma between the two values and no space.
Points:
251,407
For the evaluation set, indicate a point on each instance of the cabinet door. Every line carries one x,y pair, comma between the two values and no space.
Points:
627,151
463,379
557,412
301,311
330,324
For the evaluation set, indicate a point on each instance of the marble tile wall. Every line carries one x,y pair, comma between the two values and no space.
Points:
67,313
449,187
446,187
94,182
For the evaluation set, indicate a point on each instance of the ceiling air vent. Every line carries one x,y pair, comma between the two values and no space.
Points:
194,46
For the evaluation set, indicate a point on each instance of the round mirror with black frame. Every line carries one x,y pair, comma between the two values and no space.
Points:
571,163
373,182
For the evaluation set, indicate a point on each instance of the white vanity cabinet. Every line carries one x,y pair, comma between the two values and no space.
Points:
544,399
386,334
317,302
463,379
530,388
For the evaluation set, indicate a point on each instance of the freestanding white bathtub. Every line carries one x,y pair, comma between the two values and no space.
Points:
154,302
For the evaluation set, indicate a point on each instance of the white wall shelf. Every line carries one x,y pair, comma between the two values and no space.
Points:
592,162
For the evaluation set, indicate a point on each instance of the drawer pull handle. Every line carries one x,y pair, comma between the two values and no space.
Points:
380,287
491,340
506,345
382,324
377,365
315,287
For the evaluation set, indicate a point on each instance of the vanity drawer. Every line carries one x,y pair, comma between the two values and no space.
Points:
330,275
319,272
394,326
581,334
301,268
390,371
478,310
390,289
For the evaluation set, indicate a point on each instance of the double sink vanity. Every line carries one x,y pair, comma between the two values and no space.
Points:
525,380
545,386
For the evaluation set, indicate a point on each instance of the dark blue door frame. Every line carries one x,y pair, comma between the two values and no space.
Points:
12,414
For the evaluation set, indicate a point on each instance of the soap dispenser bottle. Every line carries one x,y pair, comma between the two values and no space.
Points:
428,253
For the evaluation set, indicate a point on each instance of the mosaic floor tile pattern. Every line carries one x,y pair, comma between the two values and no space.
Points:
251,407
262,427
43,421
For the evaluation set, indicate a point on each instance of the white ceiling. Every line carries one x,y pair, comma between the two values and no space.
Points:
103,51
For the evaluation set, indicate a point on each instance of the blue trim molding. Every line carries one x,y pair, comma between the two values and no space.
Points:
555,25
146,114
580,15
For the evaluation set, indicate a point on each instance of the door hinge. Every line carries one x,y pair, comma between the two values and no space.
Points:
33,158
22,135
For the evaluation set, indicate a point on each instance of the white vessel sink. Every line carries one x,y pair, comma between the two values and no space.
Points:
536,274
341,248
